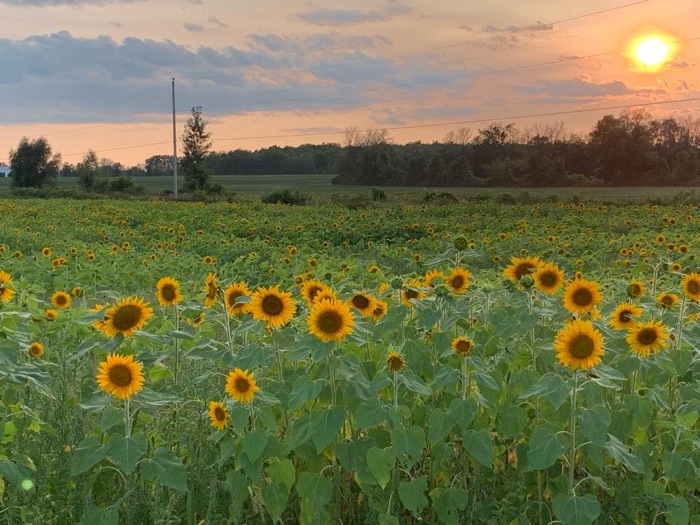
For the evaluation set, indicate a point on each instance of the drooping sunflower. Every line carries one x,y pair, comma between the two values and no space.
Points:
636,289
6,293
311,288
271,305
168,291
240,385
458,280
667,300
411,292
330,320
579,345
60,300
645,338
219,415
691,286
197,320
623,316
395,362
120,376
520,266
234,291
211,287
462,345
36,349
126,317
363,303
379,310
581,296
548,278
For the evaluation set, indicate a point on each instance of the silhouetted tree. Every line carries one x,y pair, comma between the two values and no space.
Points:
196,145
33,164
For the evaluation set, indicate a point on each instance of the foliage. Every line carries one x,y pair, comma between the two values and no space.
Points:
286,196
195,147
33,164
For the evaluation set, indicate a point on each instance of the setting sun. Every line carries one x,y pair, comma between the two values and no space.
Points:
651,51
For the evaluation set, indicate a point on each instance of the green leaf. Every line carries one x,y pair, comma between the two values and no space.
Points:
414,383
408,444
90,452
677,511
575,510
386,519
16,473
511,420
100,516
302,391
446,375
126,451
545,448
485,380
282,471
440,424
371,412
552,387
463,411
165,468
111,416
594,423
412,494
325,425
449,503
479,445
620,452
275,497
381,464
254,444
97,404
238,485
315,486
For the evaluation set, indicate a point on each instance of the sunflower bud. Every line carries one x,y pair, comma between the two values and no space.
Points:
527,281
460,243
442,291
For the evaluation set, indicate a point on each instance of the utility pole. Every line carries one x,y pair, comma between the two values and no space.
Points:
174,145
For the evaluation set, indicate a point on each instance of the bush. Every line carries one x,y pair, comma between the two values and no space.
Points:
286,196
350,201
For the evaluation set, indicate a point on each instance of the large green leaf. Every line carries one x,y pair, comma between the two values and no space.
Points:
325,425
449,504
100,516
275,497
408,444
254,444
440,423
370,412
166,468
620,452
414,383
88,453
574,510
412,494
479,445
315,486
550,386
545,447
126,451
302,391
463,411
282,471
594,423
381,464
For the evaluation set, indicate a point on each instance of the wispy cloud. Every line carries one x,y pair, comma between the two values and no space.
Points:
344,17
54,3
194,28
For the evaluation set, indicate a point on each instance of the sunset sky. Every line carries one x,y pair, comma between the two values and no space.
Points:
97,73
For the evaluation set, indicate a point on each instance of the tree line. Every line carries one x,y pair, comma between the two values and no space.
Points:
632,149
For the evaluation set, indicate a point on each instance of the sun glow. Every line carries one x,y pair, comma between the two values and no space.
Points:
651,51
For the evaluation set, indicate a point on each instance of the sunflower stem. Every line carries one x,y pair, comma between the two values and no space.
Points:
396,390
280,375
465,377
127,419
572,429
228,329
679,330
176,373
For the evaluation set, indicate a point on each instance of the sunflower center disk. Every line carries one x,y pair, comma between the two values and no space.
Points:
523,269
693,287
463,347
360,301
120,375
457,282
625,316
168,293
647,336
127,317
242,385
548,279
219,414
582,297
411,294
330,322
272,305
582,346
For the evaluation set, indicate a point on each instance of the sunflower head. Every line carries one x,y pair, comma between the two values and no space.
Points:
36,349
462,345
636,289
581,296
548,278
168,291
60,300
430,278
647,338
240,385
120,376
126,317
458,280
520,266
232,292
623,316
273,306
330,320
379,310
667,300
363,303
76,291
311,289
50,314
6,293
411,291
579,345
219,415
691,286
395,362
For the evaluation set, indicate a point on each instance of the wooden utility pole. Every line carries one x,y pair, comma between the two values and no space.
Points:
174,145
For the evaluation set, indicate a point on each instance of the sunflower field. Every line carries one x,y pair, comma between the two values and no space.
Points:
195,363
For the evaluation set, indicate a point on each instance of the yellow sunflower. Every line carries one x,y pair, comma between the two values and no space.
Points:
458,280
379,310
579,345
548,278
46,251
240,385
622,317
691,286
211,287
311,288
636,289
233,292
462,345
330,320
6,293
36,349
431,276
395,362
271,305
60,300
411,292
219,415
168,291
363,303
50,314
126,317
120,376
581,296
520,266
667,300
645,338
76,291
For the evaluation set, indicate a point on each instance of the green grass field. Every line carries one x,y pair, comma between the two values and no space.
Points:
321,188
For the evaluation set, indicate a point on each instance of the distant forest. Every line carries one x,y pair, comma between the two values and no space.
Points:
632,149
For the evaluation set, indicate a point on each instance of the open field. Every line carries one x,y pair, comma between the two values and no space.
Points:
320,188
188,362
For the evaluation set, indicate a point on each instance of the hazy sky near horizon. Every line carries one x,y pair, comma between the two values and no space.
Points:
96,74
